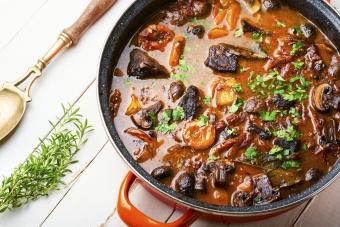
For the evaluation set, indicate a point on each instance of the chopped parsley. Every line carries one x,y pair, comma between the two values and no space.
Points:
296,47
280,24
207,100
178,113
304,147
231,132
243,69
203,120
296,30
238,32
290,164
153,117
202,22
183,71
257,37
251,153
237,104
288,134
298,64
164,127
269,116
279,152
294,113
127,82
212,158
238,88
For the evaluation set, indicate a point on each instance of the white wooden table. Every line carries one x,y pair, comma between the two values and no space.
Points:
27,28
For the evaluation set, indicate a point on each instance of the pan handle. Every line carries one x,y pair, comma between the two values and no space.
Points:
133,217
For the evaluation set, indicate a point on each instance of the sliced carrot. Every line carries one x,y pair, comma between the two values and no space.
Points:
217,33
177,50
215,9
220,16
233,13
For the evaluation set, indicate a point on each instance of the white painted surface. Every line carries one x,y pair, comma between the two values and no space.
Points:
89,198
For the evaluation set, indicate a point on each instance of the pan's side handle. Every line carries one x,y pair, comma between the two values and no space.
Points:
133,217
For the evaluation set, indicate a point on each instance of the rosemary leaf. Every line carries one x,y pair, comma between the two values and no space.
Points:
43,170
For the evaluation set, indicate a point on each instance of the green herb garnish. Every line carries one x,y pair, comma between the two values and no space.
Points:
237,104
298,64
290,164
288,134
178,113
127,81
296,47
238,32
203,121
280,24
207,100
296,30
243,69
212,158
269,116
43,170
257,37
165,127
238,88
251,153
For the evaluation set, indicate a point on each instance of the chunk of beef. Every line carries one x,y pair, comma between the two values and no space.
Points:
176,90
271,4
185,184
161,172
282,103
155,37
221,59
292,146
308,30
227,133
253,105
264,134
264,192
312,174
190,102
241,199
334,68
114,102
142,66
183,11
221,173
313,60
200,182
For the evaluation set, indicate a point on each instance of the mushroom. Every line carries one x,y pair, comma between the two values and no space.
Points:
324,97
253,6
144,118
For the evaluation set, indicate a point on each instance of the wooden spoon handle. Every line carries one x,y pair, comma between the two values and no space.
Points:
95,10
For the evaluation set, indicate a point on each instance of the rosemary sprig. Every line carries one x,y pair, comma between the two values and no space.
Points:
45,167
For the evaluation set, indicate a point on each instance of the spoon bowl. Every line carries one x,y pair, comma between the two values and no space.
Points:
12,108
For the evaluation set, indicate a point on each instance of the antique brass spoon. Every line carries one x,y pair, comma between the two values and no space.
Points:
13,100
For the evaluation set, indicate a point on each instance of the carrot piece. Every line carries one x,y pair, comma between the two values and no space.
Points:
215,9
233,14
220,16
217,33
177,50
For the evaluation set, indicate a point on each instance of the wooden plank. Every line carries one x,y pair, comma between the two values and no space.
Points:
94,196
323,209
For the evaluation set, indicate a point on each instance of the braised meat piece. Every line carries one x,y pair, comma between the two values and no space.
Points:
253,105
221,171
282,103
292,146
190,102
184,10
264,192
313,60
155,37
334,68
271,4
201,182
264,134
142,66
221,59
185,184
161,172
114,102
308,30
312,174
249,26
